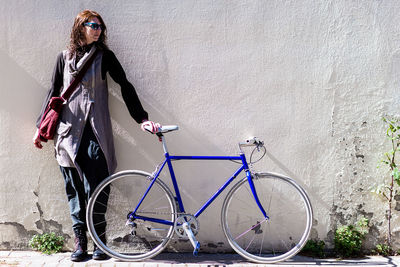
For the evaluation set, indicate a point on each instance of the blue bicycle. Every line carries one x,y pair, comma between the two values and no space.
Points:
133,215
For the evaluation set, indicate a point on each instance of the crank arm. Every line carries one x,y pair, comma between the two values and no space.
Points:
195,243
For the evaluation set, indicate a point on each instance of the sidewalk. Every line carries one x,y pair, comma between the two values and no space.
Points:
31,258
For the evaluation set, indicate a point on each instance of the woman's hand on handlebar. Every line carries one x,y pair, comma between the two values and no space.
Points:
149,126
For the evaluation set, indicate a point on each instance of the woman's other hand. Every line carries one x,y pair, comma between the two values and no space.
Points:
36,140
150,126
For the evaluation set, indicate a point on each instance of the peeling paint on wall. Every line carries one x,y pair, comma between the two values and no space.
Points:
14,236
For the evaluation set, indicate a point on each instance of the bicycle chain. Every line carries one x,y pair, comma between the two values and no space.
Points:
165,213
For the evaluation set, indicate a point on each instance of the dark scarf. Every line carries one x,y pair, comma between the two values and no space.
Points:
82,53
82,50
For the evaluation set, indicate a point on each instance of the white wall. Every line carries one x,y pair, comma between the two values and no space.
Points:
311,78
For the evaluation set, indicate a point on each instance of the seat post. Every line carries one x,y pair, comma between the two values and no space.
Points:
164,144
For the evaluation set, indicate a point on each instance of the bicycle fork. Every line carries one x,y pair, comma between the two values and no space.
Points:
254,191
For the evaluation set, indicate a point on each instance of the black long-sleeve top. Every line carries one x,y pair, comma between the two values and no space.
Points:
109,64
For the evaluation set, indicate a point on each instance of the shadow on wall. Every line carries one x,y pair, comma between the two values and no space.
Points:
28,176
22,97
20,92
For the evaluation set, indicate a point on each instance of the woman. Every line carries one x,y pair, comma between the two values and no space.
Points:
84,146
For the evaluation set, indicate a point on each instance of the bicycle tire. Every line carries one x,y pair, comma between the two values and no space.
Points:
115,198
263,240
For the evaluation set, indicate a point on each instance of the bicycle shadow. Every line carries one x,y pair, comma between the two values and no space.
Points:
202,258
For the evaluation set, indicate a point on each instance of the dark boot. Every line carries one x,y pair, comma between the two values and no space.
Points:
80,252
98,254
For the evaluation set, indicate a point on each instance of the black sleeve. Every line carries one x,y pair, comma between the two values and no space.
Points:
111,65
56,85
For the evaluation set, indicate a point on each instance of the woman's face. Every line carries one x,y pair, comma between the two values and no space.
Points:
91,34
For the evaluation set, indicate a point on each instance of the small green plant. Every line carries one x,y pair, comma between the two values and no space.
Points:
314,248
383,249
348,239
47,243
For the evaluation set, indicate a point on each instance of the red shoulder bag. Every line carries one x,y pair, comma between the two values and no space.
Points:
50,118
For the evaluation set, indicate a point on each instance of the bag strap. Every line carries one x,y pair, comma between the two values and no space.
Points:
71,88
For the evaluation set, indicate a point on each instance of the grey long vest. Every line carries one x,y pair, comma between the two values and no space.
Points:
87,104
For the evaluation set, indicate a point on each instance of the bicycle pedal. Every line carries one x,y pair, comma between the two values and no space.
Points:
196,249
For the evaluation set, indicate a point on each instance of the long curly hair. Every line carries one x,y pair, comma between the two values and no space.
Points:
77,33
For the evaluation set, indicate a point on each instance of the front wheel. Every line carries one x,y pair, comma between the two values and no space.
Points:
267,239
109,210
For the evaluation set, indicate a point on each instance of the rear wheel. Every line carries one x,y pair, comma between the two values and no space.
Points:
273,239
117,197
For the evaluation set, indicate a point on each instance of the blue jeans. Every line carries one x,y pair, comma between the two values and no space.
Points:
91,161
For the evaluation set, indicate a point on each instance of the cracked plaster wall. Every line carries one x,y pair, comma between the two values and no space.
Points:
311,78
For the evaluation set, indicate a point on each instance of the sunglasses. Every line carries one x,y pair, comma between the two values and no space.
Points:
95,26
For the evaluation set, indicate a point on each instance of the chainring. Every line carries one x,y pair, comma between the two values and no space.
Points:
181,219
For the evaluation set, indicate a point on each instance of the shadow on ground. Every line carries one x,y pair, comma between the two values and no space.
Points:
228,259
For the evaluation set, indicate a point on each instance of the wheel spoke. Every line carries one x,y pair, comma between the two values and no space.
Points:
262,243
248,230
251,241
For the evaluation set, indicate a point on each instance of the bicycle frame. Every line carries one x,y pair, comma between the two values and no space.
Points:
168,161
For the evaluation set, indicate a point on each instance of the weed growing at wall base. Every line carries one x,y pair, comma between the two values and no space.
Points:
349,238
47,243
383,249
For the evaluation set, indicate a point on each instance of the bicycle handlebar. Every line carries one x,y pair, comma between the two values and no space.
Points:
252,141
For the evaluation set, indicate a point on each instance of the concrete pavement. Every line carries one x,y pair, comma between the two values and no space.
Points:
32,259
